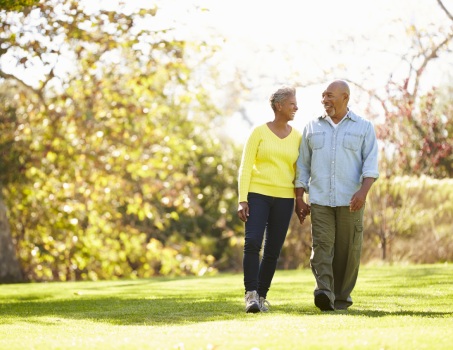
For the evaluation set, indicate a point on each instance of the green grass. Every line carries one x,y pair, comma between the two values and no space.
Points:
396,307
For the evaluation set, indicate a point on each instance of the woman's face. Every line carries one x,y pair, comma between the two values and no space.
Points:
288,107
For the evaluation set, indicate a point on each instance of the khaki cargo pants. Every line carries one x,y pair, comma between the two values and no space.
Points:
337,237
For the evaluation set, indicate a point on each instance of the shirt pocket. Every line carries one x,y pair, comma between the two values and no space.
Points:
352,141
317,140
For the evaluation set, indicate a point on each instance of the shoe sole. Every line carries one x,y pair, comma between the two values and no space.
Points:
253,309
322,301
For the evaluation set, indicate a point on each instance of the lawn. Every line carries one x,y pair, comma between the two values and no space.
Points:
395,307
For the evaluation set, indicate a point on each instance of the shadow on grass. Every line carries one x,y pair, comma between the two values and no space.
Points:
288,309
379,313
127,311
168,311
188,300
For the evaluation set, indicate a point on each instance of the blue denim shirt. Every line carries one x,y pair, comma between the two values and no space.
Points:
333,161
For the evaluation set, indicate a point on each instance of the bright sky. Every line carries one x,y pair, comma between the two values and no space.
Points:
277,42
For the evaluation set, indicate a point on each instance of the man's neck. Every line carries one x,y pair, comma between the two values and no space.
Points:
338,117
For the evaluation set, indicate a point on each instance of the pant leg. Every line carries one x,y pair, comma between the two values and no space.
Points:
346,261
323,239
255,226
277,228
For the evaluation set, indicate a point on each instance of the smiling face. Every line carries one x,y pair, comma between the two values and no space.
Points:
288,107
335,99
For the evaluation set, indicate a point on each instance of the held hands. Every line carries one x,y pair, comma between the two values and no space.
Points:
243,211
302,209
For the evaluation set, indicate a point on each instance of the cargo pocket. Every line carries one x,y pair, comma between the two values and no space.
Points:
358,237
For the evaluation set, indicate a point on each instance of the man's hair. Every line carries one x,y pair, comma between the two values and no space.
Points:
281,94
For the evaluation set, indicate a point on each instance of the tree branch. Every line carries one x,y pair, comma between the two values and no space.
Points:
372,94
38,93
426,60
7,76
445,9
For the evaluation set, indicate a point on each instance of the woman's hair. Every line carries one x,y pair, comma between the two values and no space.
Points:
281,94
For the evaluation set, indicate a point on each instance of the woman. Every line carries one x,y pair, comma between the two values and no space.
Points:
266,195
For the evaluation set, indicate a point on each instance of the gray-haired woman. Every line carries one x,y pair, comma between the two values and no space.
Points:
266,195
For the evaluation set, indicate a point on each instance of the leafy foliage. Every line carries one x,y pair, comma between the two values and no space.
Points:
417,132
419,140
408,218
112,170
16,5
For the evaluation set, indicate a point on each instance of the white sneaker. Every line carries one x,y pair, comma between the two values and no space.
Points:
252,302
264,304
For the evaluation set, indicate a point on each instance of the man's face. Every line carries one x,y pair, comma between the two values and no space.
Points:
333,101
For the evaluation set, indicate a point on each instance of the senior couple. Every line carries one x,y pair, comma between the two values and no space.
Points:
327,171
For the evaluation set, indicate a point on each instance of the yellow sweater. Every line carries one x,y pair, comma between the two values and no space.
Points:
268,164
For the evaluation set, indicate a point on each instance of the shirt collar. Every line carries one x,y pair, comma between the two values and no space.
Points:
350,114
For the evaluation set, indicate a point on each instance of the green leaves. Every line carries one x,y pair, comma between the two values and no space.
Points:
116,171
16,5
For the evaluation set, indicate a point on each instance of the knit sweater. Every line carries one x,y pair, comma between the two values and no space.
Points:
268,164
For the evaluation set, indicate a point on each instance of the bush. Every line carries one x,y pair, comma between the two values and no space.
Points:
407,219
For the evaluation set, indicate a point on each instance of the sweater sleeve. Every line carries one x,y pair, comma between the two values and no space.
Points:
247,162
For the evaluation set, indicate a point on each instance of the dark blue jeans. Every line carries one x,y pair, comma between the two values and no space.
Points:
270,215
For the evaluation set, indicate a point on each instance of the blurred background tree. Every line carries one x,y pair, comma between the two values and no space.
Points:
109,166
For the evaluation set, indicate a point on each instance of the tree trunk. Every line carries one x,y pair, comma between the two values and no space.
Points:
10,271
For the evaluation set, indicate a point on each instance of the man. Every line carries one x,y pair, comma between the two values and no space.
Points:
337,164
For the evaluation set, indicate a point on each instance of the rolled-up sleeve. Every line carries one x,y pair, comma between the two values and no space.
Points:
370,153
303,164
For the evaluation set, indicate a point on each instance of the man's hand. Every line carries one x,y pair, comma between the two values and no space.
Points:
243,211
302,209
357,201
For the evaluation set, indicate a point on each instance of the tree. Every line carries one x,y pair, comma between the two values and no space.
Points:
9,266
10,271
416,134
115,155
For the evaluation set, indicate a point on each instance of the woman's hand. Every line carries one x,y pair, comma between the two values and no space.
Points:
243,211
302,209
